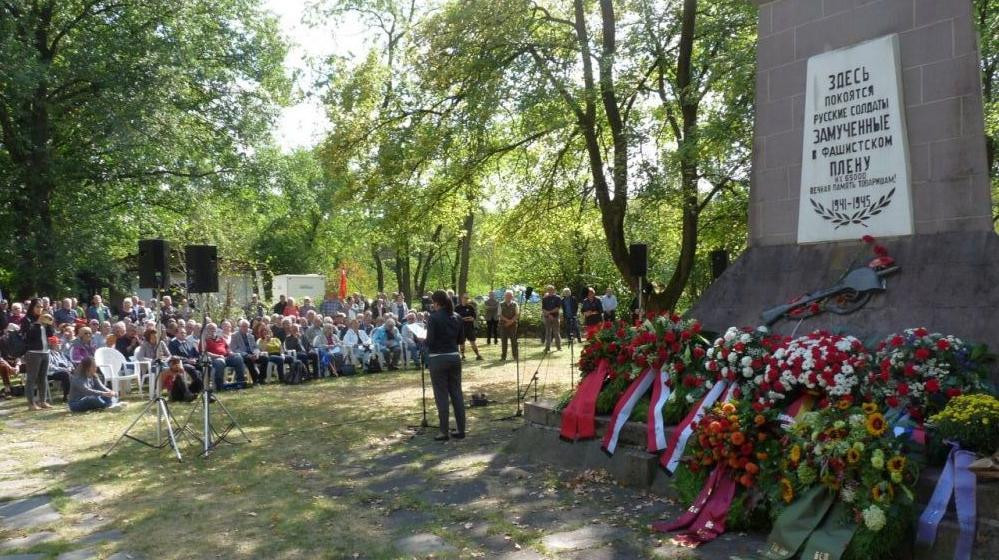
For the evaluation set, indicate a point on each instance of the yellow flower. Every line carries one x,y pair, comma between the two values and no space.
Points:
869,408
843,404
852,456
795,454
876,424
786,491
896,464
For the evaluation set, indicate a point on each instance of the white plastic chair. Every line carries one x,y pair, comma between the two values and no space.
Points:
143,367
112,365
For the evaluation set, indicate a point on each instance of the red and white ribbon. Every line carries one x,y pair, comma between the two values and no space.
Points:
661,393
624,407
578,417
670,459
730,393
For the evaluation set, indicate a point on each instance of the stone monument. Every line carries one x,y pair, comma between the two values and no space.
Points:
868,121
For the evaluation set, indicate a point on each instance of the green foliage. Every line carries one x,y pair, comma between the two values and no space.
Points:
610,394
564,399
891,543
641,411
119,119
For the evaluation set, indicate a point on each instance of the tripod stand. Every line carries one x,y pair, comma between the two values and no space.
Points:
424,424
522,395
210,438
162,414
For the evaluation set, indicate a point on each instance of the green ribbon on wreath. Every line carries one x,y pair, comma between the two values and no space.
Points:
797,523
830,539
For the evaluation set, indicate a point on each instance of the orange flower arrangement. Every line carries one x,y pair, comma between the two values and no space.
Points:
734,435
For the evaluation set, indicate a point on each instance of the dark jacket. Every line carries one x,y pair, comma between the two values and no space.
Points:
33,340
443,332
183,348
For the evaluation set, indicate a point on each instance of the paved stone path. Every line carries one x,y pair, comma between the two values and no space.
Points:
32,523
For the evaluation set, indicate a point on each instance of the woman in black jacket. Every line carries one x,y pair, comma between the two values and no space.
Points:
444,334
37,328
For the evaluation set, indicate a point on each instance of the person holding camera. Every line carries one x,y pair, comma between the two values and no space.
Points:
444,334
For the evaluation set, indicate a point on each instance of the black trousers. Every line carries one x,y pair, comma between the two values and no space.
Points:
492,331
257,366
445,376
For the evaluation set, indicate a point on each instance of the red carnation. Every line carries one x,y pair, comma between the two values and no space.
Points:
953,392
695,328
867,239
920,332
679,367
910,369
922,354
892,401
880,251
897,341
698,352
932,386
670,336
903,389
943,344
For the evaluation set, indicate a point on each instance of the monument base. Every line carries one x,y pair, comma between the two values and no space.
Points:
947,282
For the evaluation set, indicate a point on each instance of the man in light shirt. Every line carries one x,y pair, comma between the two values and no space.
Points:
609,303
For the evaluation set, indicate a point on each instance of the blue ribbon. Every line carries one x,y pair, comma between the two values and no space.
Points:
958,480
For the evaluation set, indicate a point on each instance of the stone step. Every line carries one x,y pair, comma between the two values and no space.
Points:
986,545
633,434
630,466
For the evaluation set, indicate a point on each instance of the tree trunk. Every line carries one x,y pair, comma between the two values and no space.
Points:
455,266
423,262
687,150
379,268
465,251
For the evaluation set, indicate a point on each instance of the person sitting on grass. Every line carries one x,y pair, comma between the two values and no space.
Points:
174,379
11,350
86,392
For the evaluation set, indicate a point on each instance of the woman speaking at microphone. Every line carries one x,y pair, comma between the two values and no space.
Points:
444,334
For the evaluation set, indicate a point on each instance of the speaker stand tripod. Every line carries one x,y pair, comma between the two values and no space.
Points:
163,415
424,424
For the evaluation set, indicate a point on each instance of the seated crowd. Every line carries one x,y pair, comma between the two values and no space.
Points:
44,342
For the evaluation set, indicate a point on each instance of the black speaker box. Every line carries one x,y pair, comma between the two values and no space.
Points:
719,262
202,269
154,264
639,253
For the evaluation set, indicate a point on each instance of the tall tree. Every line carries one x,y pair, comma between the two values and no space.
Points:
109,107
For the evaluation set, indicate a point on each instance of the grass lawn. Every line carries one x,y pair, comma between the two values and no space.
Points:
328,461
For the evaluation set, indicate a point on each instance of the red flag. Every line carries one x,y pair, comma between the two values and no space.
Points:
343,284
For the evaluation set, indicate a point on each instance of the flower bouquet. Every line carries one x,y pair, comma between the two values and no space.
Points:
851,452
918,371
819,365
747,444
738,357
973,422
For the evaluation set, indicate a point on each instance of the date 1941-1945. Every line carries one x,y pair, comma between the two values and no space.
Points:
851,203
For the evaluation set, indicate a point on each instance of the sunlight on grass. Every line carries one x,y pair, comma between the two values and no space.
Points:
299,489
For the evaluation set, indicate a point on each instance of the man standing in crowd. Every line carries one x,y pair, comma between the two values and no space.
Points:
168,311
492,318
217,349
592,309
331,305
551,305
254,308
98,310
306,306
571,309
65,314
609,303
509,316
245,345
399,306
279,306
467,312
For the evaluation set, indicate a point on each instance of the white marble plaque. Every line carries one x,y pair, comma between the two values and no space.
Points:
855,153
